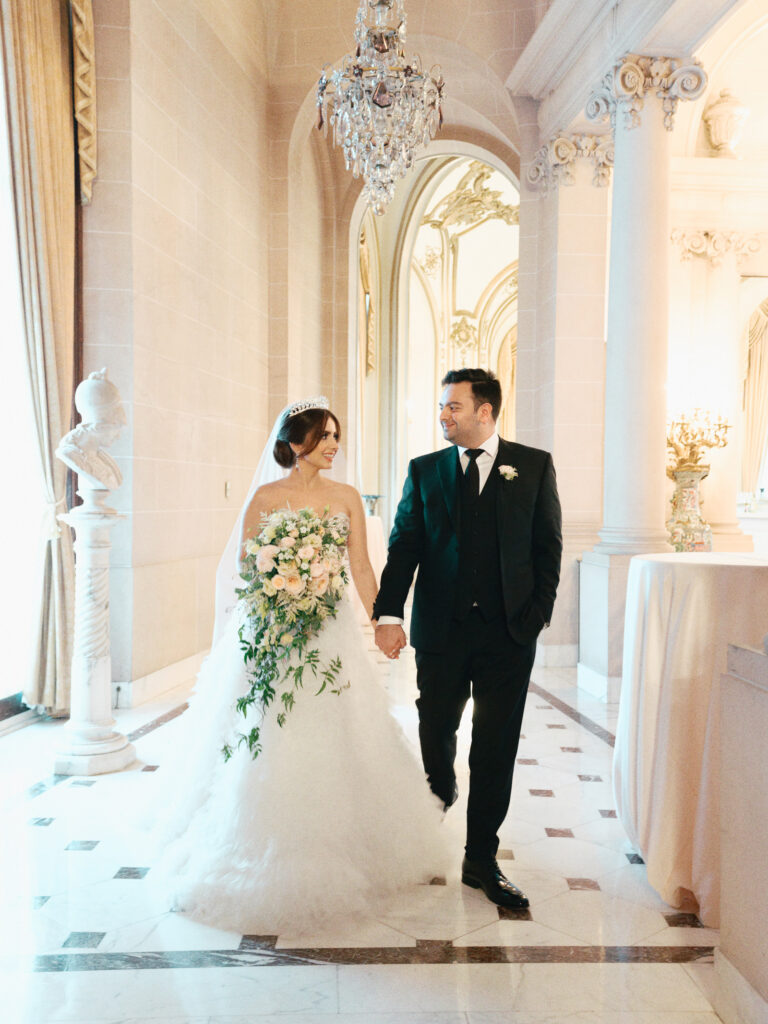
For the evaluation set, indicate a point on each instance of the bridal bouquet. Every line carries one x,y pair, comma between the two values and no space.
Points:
294,576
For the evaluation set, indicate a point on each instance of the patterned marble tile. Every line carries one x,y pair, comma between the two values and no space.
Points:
82,940
447,957
131,872
599,918
535,987
682,920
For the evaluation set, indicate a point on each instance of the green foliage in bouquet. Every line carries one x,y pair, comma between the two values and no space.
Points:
294,576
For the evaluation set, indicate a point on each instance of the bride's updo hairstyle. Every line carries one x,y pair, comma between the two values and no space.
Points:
303,428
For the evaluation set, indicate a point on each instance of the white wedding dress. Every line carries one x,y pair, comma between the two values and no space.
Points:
333,814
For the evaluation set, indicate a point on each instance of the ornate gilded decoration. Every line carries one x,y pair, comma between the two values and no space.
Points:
464,336
472,203
432,261
554,163
369,305
84,90
687,438
634,76
716,245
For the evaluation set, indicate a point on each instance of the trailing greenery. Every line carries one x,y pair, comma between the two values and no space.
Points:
294,577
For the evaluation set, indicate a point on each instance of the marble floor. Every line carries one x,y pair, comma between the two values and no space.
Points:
83,938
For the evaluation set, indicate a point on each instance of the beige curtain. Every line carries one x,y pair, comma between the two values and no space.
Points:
756,400
35,40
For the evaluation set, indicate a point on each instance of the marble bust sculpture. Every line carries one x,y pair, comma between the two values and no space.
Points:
103,417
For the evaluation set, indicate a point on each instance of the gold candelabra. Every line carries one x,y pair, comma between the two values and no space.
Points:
688,436
687,439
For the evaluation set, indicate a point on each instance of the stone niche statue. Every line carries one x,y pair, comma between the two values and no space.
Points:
103,417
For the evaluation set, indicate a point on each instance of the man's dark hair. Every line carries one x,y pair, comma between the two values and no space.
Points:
485,386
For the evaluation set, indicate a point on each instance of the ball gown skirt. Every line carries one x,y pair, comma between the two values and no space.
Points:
333,815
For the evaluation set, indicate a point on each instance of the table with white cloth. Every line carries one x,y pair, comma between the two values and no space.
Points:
682,612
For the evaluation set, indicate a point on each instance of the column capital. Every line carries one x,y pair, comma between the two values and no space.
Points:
715,245
554,163
626,85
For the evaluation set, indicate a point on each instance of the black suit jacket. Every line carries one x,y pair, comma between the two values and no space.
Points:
425,537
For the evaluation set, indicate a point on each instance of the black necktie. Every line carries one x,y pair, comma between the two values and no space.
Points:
472,473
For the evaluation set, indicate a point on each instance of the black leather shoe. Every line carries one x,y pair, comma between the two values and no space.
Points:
487,875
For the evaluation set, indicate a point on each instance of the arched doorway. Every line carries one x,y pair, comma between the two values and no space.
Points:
435,288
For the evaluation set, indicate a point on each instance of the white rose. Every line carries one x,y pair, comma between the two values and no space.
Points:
306,552
265,559
287,542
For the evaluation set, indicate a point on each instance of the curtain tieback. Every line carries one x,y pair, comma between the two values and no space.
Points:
51,523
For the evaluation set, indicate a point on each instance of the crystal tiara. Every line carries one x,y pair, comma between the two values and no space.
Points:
318,402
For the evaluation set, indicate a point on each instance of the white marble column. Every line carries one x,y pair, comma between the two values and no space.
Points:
571,173
90,745
639,95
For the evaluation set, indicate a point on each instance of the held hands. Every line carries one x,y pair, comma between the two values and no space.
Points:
390,640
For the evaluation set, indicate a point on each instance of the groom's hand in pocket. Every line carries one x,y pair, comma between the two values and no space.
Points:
391,639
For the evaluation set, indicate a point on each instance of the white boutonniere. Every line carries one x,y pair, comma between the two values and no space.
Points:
508,472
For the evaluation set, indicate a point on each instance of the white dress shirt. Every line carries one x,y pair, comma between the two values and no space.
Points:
484,466
485,461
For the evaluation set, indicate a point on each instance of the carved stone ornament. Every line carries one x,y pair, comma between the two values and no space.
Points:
554,163
633,77
724,119
83,449
84,93
716,245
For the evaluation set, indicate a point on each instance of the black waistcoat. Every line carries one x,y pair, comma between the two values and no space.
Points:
479,578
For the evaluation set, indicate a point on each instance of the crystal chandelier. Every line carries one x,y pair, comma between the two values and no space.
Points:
382,107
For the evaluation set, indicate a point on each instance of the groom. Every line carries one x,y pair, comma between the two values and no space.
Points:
481,523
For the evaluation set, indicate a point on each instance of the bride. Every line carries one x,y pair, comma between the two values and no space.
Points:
334,810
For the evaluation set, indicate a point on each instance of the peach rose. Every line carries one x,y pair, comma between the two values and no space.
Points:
278,581
306,552
294,584
287,542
